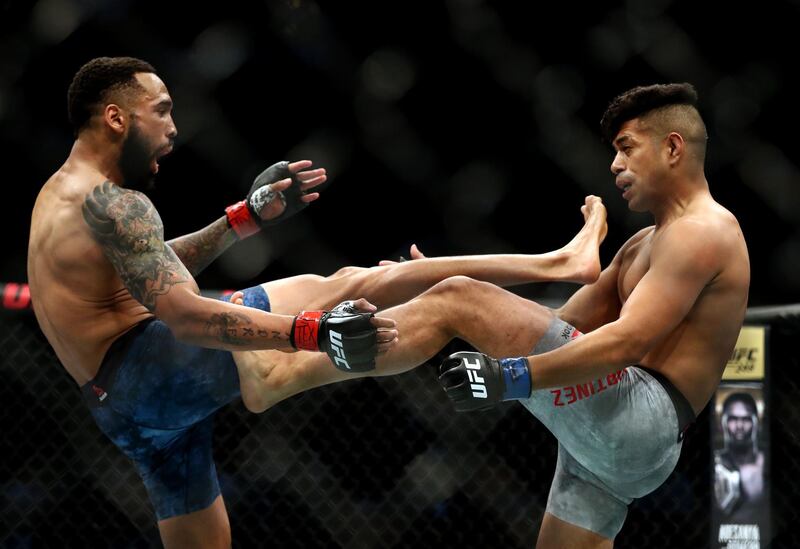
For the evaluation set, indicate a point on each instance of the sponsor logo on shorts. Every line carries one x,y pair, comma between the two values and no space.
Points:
477,383
101,394
568,333
338,348
574,393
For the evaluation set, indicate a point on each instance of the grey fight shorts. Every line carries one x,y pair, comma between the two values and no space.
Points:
619,438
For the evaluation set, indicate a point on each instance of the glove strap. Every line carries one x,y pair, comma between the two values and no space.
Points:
241,220
305,330
517,378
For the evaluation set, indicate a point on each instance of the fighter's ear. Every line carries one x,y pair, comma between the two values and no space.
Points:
676,147
115,118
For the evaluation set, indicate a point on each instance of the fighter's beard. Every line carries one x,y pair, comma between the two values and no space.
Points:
135,161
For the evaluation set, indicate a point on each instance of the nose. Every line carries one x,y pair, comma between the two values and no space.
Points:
172,130
617,166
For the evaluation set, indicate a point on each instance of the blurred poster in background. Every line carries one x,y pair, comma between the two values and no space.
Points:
740,438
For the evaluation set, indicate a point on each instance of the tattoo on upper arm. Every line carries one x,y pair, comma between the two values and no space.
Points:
130,231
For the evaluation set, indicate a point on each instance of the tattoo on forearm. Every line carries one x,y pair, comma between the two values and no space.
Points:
237,329
199,249
229,327
131,233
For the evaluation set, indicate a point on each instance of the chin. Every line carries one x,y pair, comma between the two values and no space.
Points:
635,206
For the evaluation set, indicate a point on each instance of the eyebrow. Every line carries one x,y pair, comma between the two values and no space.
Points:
166,102
621,140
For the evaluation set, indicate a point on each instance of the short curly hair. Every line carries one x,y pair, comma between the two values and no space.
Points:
96,80
642,100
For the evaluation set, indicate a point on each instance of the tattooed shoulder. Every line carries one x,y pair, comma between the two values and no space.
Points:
111,211
128,228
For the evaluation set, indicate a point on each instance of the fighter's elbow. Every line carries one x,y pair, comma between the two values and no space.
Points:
635,350
633,355
631,348
178,326
181,317
182,332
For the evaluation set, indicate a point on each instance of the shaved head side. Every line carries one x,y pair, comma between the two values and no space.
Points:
661,109
682,119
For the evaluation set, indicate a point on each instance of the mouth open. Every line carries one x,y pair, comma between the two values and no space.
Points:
161,154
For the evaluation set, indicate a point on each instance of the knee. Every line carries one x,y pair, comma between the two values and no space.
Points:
355,282
348,282
456,286
347,272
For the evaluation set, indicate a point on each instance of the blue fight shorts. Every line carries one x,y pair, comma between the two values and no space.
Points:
155,398
619,438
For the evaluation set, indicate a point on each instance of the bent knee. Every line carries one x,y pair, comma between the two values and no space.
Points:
459,285
354,283
347,272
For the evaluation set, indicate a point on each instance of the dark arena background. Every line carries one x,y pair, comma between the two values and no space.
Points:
465,126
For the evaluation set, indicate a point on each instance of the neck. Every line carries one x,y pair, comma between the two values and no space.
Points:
682,193
102,155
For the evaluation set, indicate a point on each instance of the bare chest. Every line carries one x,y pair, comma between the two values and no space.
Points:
635,264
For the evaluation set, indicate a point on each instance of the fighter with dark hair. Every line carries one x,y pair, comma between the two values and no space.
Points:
619,372
628,361
120,306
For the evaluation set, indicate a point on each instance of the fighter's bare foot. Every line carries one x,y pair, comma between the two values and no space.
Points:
583,252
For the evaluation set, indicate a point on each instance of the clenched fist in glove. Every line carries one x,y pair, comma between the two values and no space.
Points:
474,381
349,334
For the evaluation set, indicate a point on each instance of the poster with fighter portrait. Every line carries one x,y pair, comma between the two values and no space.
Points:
741,512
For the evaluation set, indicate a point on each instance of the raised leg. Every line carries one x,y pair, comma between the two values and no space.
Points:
267,377
389,285
490,318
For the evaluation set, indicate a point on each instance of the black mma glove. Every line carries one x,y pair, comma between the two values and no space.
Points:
345,334
245,217
474,381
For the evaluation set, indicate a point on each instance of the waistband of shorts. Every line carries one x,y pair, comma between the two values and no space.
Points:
96,390
683,409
